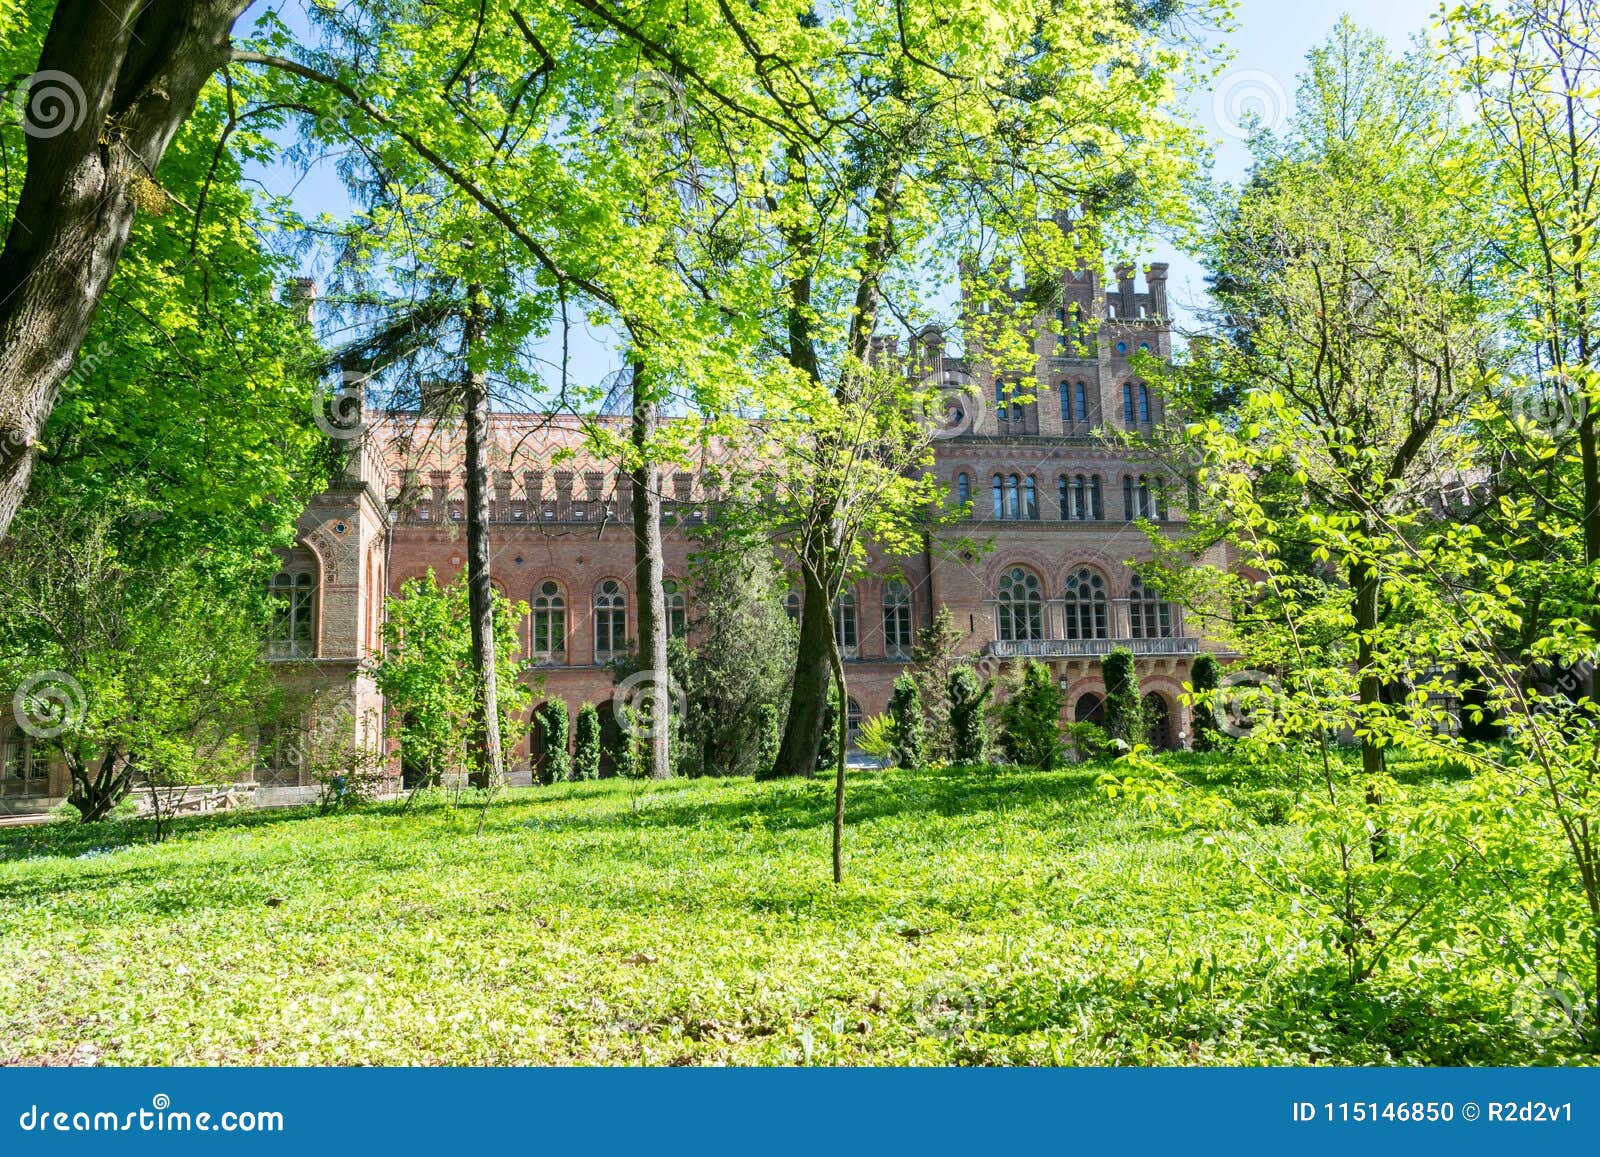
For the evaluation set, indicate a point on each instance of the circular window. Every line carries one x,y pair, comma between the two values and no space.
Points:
1122,347
1145,346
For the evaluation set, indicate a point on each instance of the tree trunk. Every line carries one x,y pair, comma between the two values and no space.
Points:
1367,586
808,697
488,761
844,740
648,570
128,73
95,793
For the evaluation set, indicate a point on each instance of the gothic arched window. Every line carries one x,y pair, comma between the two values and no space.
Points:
1085,605
844,622
1149,617
293,631
963,488
896,618
549,623
610,621
1019,607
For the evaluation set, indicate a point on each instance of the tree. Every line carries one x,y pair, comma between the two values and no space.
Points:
905,709
933,661
1124,708
586,750
551,729
966,698
427,676
113,84
1030,717
1204,676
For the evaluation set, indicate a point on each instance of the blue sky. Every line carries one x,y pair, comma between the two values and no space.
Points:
1268,46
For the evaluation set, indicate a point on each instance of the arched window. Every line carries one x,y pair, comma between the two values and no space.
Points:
791,606
1064,495
549,624
1000,393
1090,709
1097,510
1080,499
1127,403
999,487
1136,497
1061,328
610,621
1144,404
1148,616
24,768
844,622
677,609
1086,605
1014,496
963,488
293,631
1030,498
896,619
1158,721
1066,402
852,719
1019,607
1080,393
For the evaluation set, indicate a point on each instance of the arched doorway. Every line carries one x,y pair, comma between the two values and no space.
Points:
1158,721
1090,709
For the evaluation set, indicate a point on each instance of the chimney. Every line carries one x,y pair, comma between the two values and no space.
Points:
1127,303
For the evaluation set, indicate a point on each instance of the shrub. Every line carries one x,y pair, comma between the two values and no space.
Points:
1089,739
967,697
586,753
905,712
550,722
1030,718
1204,678
622,744
348,774
1124,710
770,736
876,737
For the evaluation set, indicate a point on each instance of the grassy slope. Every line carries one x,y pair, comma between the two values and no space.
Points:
987,917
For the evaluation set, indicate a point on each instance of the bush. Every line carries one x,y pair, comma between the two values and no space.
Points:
586,753
1090,740
348,775
1124,709
623,745
550,722
770,737
1030,718
1204,678
905,712
876,737
969,730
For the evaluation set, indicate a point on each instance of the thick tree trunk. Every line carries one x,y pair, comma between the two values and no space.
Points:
96,791
649,568
808,697
1367,588
127,74
488,761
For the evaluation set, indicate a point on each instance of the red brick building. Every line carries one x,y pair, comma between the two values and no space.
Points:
1054,490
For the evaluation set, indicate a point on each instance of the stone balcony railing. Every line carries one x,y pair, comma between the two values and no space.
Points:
1089,648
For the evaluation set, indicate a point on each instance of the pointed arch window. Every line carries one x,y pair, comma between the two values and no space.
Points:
1030,498
998,486
1127,404
963,488
610,621
1080,395
1085,605
896,619
677,609
293,631
1149,617
791,606
549,624
844,623
1019,607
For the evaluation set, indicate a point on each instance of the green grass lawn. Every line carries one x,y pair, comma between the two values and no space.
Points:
987,917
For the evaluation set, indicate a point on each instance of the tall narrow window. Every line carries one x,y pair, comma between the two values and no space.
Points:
1000,400
293,632
1097,510
1030,498
610,621
24,768
549,624
1085,605
1080,393
852,719
1147,506
963,488
1019,607
1066,403
999,486
1061,328
1129,509
1064,495
896,619
1080,499
1144,404
1127,403
1149,617
844,622
791,606
677,609
1014,496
